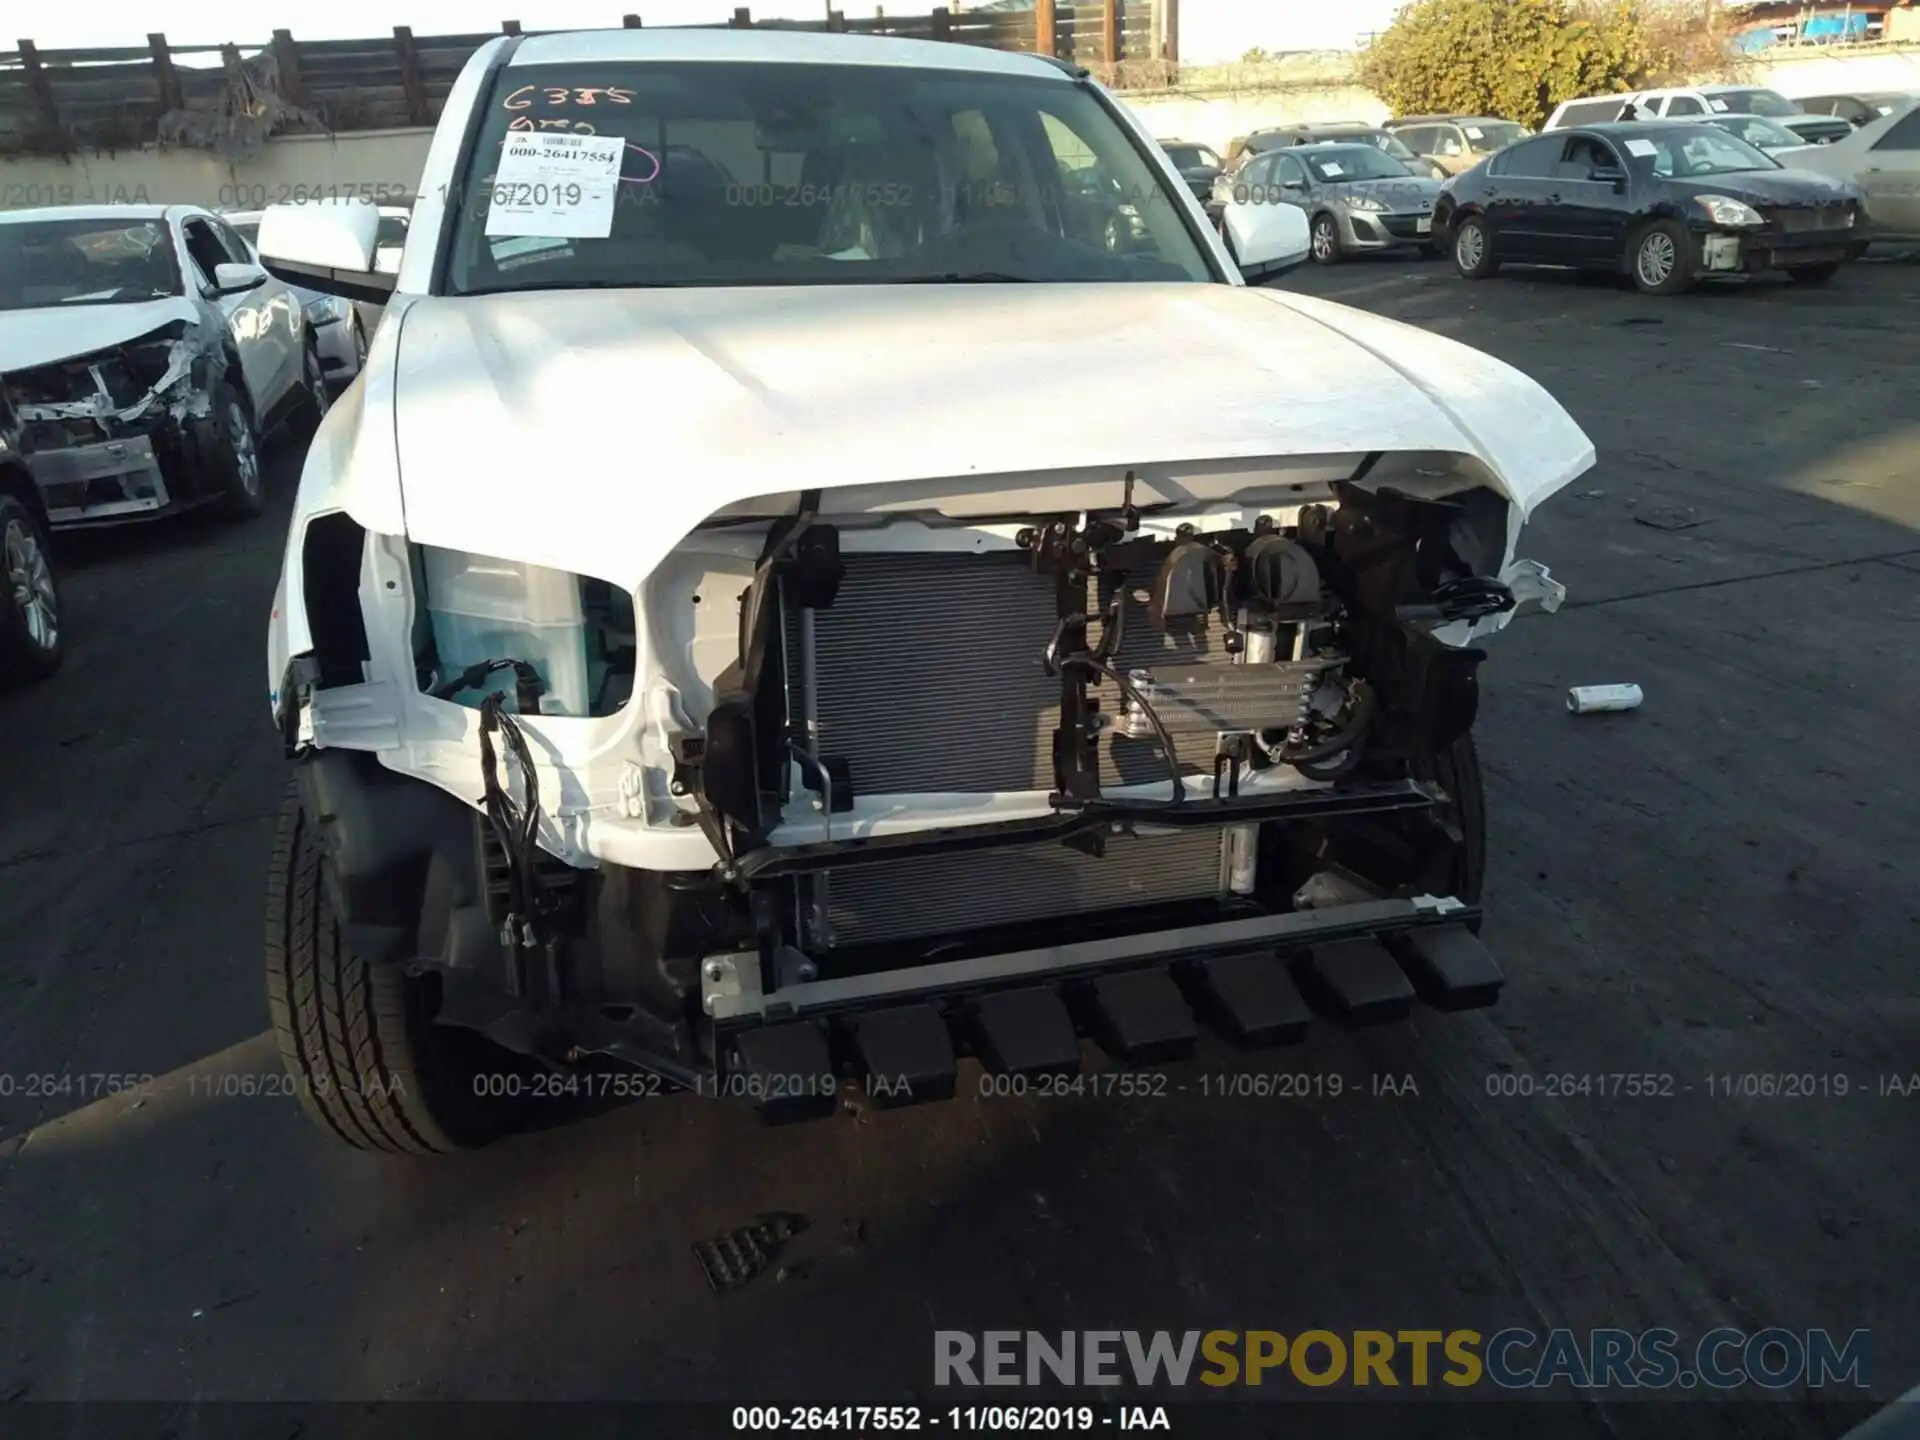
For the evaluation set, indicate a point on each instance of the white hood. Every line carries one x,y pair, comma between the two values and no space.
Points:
592,431
59,332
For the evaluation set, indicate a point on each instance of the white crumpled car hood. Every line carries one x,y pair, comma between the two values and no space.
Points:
51,333
591,431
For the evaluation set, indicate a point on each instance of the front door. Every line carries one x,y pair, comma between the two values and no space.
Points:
1518,189
248,314
1589,216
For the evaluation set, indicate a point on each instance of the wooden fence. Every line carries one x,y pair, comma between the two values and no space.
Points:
113,98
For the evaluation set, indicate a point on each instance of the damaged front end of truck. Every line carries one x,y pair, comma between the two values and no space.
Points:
859,782
127,430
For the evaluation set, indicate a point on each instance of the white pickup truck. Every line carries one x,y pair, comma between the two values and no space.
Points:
830,573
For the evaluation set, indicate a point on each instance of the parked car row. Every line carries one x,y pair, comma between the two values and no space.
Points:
1719,180
1699,102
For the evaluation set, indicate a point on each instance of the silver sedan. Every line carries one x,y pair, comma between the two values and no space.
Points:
1357,198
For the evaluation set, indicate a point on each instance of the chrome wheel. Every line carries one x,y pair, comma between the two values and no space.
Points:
1470,247
1325,242
246,454
30,578
1656,258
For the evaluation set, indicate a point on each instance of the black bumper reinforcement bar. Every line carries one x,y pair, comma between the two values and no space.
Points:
774,861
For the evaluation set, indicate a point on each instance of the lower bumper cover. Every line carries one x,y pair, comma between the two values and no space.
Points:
1755,252
130,477
110,480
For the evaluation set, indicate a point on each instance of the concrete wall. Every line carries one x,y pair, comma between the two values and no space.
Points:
1825,74
1217,120
1216,103
376,163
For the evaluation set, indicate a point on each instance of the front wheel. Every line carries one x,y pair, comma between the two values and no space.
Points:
1473,252
1661,258
1814,274
237,454
30,639
1327,249
362,1052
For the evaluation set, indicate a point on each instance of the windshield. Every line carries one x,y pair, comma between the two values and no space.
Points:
1353,162
1752,102
1192,157
1758,131
1486,136
663,174
1693,151
85,262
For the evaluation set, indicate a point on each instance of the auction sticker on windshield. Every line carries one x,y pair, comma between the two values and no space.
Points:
556,185
1642,148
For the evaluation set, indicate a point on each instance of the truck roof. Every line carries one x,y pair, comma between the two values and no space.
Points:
797,47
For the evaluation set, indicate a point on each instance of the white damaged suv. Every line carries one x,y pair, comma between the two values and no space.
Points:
830,571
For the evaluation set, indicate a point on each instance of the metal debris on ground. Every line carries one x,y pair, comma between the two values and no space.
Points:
1592,699
1749,345
1670,517
731,1260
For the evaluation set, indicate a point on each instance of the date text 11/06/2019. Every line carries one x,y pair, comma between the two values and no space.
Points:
963,1419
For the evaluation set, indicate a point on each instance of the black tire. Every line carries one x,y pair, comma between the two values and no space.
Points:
32,642
312,408
1814,274
241,473
1660,258
1474,254
1323,241
358,1041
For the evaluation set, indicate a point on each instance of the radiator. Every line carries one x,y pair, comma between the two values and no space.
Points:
925,676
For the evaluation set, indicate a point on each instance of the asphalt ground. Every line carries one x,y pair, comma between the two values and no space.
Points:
1720,884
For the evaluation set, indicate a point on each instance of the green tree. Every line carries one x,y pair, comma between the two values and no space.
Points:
1520,58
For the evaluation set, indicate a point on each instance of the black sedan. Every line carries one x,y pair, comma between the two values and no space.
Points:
1667,203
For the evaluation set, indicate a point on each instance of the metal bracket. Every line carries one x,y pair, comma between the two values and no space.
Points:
730,983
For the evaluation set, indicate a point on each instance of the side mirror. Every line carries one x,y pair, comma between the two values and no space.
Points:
233,277
326,245
1604,176
1294,185
1267,239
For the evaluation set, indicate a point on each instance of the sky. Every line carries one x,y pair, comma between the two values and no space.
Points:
1209,26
